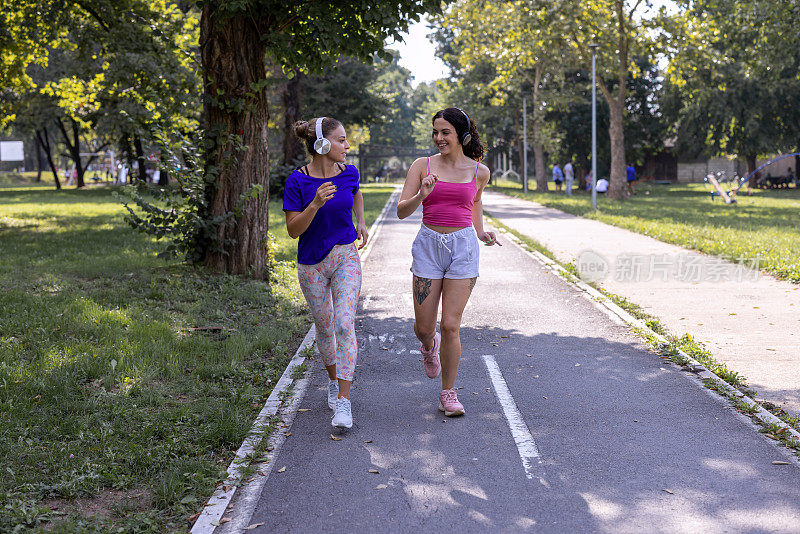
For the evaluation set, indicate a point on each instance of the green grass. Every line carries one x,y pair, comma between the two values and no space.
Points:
764,227
127,382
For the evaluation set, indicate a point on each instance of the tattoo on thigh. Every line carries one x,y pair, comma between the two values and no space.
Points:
422,288
472,282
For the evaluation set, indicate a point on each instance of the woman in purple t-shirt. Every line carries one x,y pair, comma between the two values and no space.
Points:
319,201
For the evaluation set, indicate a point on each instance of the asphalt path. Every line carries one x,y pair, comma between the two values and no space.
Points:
571,424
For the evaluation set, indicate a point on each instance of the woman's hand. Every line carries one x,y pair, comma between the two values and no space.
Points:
325,192
489,238
427,184
363,235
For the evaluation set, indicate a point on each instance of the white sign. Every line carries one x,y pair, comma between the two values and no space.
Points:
11,151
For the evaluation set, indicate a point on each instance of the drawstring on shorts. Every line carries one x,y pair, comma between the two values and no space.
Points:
443,241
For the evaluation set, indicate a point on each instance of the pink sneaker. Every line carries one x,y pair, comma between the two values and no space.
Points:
430,358
448,403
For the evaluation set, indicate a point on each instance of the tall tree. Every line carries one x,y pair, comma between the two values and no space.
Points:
733,77
524,43
235,38
621,30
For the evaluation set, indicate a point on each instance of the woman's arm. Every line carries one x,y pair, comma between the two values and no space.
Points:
477,209
361,225
298,222
416,188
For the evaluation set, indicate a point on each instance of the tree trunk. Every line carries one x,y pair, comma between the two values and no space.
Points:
137,144
751,166
616,183
292,146
74,148
538,145
44,141
38,151
232,52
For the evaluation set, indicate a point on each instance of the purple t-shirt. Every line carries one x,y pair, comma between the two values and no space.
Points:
333,222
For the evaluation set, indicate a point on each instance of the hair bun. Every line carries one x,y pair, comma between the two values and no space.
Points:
301,129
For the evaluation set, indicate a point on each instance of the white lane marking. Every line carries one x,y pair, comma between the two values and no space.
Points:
528,451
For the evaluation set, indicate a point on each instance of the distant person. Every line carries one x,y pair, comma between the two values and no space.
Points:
588,180
631,177
569,176
558,177
445,253
602,185
319,201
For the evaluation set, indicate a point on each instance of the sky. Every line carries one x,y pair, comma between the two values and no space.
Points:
416,54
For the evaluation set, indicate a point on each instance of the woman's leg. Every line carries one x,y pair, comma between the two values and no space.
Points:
455,294
316,289
345,287
426,293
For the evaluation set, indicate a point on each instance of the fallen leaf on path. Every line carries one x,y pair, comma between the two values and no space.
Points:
669,491
335,438
304,410
367,441
282,469
374,471
225,520
251,527
780,462
381,486
288,434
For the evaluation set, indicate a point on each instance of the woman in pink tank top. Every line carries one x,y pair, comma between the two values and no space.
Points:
445,253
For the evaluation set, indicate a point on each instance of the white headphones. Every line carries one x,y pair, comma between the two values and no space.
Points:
321,145
466,138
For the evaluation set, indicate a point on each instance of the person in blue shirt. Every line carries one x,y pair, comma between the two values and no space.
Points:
631,175
319,201
558,177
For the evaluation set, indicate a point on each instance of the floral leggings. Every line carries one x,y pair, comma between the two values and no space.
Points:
331,288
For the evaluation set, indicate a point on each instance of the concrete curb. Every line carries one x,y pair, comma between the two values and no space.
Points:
219,501
691,364
211,516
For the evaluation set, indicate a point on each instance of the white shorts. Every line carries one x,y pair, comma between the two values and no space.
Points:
436,256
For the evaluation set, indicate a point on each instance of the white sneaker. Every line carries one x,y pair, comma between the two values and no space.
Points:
333,393
342,414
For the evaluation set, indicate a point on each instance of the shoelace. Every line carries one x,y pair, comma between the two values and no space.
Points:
450,395
343,406
427,355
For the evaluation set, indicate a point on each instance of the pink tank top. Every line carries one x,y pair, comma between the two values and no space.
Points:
450,204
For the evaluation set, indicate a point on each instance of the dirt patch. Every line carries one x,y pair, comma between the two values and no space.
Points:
107,504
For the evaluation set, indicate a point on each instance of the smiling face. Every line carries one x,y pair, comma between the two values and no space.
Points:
339,144
445,137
